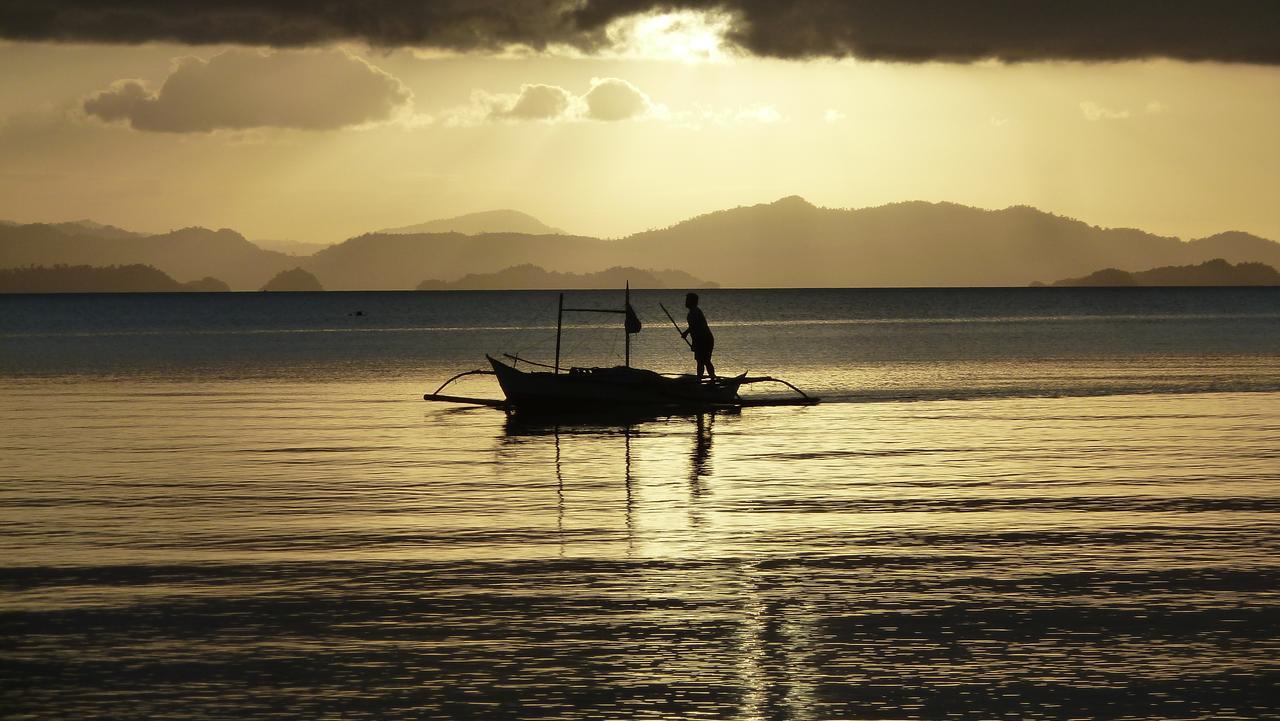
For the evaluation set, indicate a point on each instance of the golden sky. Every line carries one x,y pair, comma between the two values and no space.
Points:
655,118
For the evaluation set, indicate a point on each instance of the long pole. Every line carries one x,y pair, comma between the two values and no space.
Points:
677,326
559,317
626,332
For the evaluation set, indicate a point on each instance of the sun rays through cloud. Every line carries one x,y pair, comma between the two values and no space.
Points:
681,36
685,36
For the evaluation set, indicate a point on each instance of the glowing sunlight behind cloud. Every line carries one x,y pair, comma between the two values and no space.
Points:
686,36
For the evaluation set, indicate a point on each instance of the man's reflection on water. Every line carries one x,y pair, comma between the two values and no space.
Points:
699,466
700,459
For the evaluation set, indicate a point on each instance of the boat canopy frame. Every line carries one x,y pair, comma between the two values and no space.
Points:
561,310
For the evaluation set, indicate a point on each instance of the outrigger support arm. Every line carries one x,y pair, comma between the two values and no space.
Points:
771,379
476,372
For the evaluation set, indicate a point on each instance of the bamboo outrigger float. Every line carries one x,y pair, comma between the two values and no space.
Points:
619,388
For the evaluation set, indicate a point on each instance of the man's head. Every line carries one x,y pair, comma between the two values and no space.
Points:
691,300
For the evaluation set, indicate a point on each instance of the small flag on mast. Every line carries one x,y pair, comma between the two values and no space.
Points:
633,321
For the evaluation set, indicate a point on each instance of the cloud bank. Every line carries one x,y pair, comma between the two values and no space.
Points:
608,100
536,102
1094,112
240,89
613,99
1246,31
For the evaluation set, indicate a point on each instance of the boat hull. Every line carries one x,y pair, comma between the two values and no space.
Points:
600,389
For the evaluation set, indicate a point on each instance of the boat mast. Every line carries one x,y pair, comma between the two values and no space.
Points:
559,317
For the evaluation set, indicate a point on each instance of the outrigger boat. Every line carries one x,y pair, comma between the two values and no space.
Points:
619,388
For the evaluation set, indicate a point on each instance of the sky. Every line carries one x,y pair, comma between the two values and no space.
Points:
609,117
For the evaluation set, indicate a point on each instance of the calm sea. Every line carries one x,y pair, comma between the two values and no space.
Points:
1013,504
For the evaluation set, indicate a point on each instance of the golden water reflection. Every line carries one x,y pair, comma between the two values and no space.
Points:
1020,557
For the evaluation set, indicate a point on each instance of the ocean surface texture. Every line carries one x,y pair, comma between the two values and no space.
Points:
1012,504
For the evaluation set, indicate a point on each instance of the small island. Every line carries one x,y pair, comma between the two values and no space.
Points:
1212,272
533,277
137,278
293,281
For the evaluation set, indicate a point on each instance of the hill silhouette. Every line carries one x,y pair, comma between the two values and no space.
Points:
296,281
532,277
189,253
84,227
291,247
91,279
789,242
793,243
488,221
914,244
97,230
1213,272
383,261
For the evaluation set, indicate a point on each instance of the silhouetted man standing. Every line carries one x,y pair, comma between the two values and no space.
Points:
699,335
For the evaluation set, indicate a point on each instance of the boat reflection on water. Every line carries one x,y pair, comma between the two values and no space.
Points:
591,450
620,421
596,439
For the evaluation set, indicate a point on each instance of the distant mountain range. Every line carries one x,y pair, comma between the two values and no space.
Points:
185,254
789,242
489,221
109,279
532,277
292,247
1213,272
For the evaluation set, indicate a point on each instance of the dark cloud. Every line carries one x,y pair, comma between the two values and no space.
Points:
896,30
970,30
239,89
447,24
